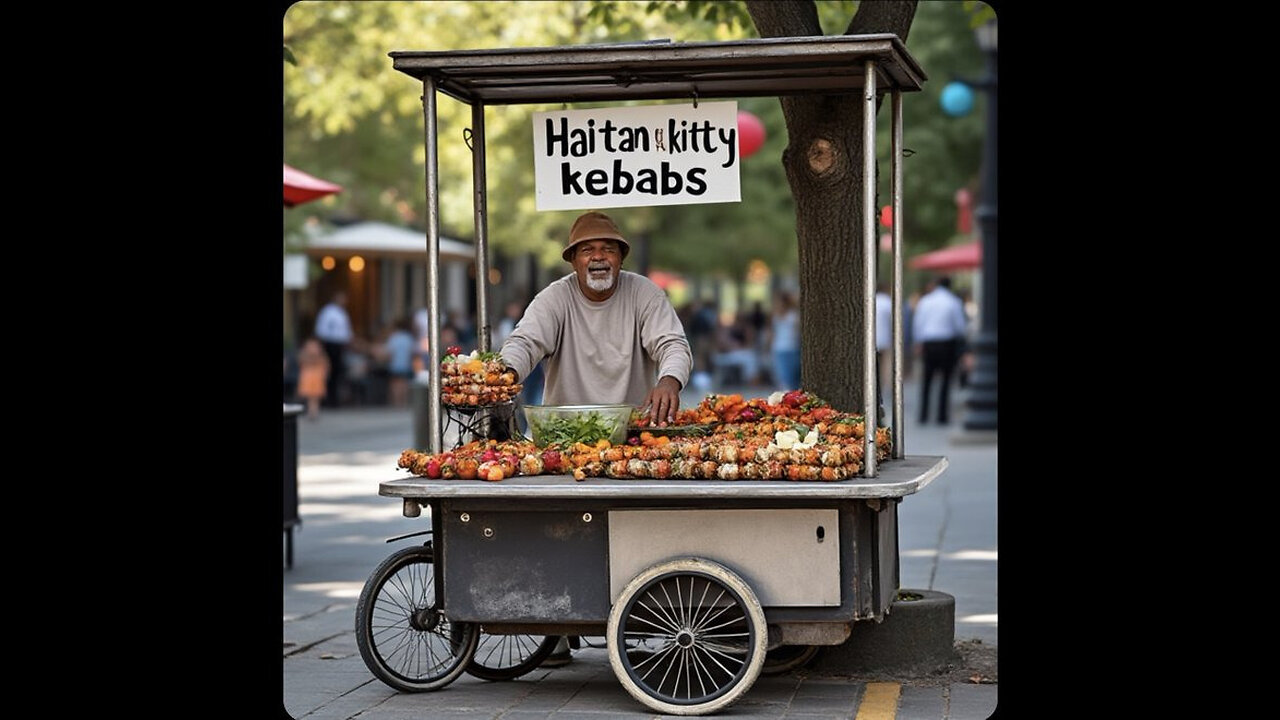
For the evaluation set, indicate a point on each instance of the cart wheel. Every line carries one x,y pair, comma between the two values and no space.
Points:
785,658
401,633
507,657
687,637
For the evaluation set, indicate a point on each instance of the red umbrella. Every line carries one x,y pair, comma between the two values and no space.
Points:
956,257
300,187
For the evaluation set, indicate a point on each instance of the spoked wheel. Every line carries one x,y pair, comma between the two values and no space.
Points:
507,657
402,636
788,657
687,637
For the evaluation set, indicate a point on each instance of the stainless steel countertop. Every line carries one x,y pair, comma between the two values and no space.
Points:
896,478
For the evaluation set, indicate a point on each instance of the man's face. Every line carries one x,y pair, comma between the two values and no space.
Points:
597,263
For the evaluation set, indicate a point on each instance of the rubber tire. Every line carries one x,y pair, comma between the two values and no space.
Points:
459,650
786,658
623,660
485,651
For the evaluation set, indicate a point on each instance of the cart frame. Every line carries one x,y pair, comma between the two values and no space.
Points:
547,555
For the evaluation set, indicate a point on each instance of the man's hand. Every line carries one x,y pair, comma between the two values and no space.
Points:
663,401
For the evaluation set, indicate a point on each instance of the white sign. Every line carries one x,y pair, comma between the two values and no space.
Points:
637,156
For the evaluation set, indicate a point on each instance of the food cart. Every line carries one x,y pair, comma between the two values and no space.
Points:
672,573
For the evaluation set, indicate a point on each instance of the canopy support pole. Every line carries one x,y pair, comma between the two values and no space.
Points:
897,424
870,403
479,202
434,408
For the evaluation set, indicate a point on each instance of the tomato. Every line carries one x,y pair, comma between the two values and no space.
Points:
552,461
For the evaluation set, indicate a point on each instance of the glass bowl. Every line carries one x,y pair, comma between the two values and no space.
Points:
567,424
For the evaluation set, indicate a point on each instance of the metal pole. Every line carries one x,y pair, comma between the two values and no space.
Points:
434,409
982,401
896,426
869,247
478,183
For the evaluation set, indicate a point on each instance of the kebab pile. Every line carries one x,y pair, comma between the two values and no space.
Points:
788,436
476,380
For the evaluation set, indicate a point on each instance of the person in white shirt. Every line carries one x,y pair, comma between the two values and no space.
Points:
333,328
938,330
884,340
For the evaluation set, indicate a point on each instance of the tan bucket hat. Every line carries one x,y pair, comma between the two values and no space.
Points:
594,226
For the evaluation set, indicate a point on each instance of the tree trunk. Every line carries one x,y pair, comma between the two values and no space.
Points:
823,161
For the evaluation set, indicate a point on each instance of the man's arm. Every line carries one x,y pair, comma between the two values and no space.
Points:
663,337
535,337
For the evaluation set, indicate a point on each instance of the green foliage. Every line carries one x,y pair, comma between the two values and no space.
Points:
349,117
979,13
943,152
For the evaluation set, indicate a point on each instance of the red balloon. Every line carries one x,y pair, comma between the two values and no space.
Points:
750,134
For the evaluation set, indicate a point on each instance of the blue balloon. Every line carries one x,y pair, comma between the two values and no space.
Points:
957,99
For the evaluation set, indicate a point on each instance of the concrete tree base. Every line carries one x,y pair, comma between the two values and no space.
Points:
916,636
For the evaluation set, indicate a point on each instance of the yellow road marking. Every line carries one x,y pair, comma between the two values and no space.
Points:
879,702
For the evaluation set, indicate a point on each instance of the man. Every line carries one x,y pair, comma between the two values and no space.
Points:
605,334
938,329
333,328
608,336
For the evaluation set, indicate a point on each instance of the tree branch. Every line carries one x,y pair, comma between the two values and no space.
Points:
881,17
784,18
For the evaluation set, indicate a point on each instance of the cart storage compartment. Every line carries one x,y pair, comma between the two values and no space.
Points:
789,557
524,565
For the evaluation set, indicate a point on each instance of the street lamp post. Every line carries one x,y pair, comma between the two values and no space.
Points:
981,404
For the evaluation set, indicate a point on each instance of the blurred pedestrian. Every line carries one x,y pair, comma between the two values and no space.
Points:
399,350
358,365
964,365
908,334
884,341
939,330
313,375
702,337
333,329
734,351
463,327
510,317
784,342
758,321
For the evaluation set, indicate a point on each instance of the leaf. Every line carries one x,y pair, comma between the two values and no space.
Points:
979,13
288,56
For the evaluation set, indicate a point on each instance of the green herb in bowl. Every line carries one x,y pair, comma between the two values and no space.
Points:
569,424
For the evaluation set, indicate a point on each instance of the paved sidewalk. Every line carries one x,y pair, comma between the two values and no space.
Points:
947,541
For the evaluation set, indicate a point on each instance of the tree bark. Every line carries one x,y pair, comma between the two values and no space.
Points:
823,162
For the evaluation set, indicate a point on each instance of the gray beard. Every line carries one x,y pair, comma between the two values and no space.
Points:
600,285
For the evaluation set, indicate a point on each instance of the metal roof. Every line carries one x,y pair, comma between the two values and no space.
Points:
663,70
382,240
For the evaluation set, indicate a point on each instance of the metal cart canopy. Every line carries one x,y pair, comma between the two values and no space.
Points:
663,70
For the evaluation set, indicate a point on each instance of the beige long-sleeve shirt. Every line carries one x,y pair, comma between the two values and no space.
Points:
609,352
